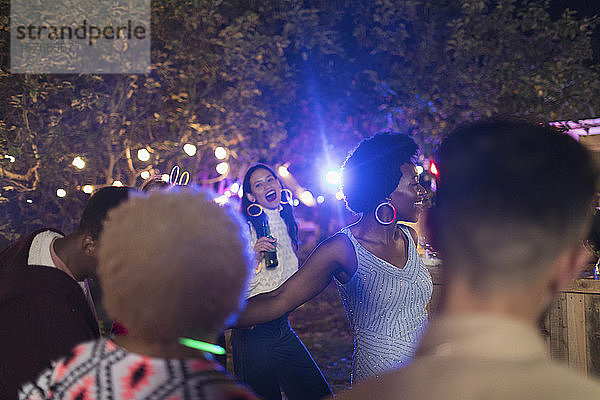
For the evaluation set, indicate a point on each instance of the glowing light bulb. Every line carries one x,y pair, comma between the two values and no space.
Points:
320,199
78,162
117,183
339,195
307,198
283,171
10,158
222,168
88,189
189,149
61,192
434,169
296,202
220,153
235,187
145,174
420,169
143,155
333,177
165,178
29,201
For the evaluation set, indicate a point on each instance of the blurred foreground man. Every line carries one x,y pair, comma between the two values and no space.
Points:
43,310
513,205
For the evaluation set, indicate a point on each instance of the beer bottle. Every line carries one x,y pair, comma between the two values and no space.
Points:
270,257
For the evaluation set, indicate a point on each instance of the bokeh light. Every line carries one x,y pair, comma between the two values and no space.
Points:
145,174
78,162
60,192
220,153
143,155
88,189
117,183
283,171
189,149
222,168
307,198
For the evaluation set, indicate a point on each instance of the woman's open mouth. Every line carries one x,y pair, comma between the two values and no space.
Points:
271,196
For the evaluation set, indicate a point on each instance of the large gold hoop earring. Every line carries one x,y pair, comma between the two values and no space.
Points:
388,203
260,210
289,195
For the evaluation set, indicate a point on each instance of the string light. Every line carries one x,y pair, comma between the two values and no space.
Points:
60,192
78,162
220,153
222,168
189,149
10,158
145,175
88,189
117,183
283,171
143,155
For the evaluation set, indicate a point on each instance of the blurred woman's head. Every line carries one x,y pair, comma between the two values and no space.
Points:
173,264
374,169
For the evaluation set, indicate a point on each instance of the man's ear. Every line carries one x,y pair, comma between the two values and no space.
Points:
570,265
88,245
251,197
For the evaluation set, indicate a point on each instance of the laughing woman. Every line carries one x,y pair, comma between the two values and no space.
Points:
384,285
269,357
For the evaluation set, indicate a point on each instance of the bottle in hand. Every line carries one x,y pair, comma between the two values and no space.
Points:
270,257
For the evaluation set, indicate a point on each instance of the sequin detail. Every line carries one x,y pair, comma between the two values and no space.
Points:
386,307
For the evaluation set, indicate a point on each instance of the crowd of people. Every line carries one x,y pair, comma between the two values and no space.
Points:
513,206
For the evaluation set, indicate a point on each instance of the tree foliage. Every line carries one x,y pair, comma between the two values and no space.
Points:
286,81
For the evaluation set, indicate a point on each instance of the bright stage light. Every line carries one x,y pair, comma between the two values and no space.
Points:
143,155
88,189
189,149
220,153
283,171
145,175
117,183
333,177
222,168
78,162
61,192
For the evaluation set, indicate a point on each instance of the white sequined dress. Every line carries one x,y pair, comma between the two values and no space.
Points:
386,307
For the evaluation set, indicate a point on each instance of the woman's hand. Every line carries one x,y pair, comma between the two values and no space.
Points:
265,244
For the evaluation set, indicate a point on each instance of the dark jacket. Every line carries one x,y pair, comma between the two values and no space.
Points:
43,315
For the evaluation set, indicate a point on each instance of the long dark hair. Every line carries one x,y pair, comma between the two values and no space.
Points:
287,213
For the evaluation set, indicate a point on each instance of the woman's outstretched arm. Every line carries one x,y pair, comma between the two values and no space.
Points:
332,255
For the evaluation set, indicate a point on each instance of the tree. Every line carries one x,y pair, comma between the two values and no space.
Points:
290,81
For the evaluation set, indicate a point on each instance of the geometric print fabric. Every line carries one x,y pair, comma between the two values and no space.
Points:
101,370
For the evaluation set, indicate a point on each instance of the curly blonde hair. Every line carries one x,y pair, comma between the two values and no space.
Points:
172,264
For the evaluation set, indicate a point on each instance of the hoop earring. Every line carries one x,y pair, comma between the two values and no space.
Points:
260,210
289,195
388,203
